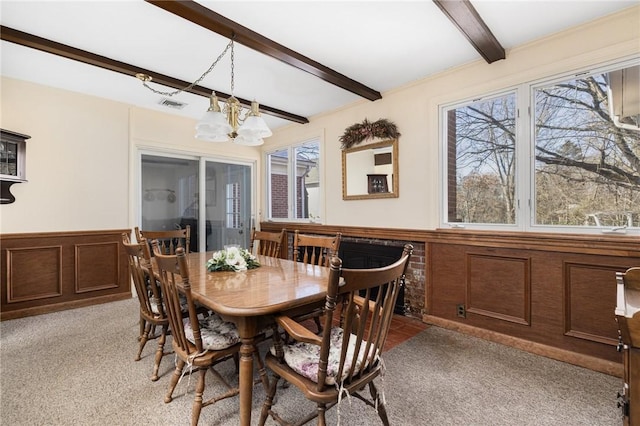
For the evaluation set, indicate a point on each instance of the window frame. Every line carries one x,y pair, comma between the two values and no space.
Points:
292,181
525,149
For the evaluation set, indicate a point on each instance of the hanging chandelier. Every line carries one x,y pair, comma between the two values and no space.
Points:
230,123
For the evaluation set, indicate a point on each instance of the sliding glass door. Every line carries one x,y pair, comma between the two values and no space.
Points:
214,198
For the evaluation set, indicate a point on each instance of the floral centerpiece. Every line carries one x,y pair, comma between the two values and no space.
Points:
232,259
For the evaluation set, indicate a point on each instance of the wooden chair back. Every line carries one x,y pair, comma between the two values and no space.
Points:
367,298
140,268
315,249
267,243
174,269
168,241
631,278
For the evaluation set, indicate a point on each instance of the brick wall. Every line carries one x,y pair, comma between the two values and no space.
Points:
279,196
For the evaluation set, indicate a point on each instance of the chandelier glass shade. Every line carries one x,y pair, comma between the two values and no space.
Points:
222,125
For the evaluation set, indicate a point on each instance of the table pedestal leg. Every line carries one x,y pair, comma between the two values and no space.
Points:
246,380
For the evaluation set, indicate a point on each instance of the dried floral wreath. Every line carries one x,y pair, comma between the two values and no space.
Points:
359,132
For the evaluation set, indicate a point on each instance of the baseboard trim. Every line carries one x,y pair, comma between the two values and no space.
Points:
39,310
581,360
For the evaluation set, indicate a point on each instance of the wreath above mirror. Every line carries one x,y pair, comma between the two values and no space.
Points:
359,132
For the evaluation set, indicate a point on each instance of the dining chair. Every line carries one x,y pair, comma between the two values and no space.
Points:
344,359
315,250
200,342
169,240
152,313
267,243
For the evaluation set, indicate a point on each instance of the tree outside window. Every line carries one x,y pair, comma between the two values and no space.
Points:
584,170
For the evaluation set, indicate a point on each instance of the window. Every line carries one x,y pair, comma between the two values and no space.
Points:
481,140
293,182
233,205
570,163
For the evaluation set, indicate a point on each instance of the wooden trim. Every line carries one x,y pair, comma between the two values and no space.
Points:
586,361
40,235
464,16
11,252
55,48
525,319
618,245
217,23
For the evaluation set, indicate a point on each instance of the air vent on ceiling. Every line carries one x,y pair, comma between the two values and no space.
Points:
172,104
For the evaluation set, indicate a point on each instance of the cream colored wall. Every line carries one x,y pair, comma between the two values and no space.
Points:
414,109
76,160
82,160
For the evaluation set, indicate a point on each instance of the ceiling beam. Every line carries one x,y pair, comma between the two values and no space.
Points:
55,48
466,18
206,18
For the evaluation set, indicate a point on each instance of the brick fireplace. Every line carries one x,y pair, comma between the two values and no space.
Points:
376,252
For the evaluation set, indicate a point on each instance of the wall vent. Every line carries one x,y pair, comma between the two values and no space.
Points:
172,104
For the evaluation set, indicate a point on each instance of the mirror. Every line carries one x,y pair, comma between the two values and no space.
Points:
370,171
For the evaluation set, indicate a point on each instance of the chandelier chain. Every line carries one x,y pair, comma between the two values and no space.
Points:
195,83
232,67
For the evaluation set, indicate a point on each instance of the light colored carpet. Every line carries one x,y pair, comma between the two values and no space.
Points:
76,367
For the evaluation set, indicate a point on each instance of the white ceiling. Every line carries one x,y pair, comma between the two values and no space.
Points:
382,44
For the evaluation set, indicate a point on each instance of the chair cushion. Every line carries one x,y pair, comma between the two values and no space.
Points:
216,333
303,358
154,305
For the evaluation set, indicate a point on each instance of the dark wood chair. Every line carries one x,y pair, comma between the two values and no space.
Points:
315,250
343,359
169,240
199,342
152,313
267,243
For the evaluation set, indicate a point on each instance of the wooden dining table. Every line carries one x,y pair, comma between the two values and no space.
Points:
251,298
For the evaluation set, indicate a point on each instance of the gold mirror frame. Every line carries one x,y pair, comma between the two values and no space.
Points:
362,179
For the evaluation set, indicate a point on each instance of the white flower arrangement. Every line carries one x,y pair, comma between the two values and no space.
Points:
232,259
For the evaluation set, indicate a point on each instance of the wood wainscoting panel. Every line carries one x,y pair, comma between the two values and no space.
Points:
590,296
53,271
499,287
33,273
97,266
560,323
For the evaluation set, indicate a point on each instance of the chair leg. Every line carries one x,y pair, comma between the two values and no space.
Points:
144,338
143,324
197,401
268,401
322,408
382,410
159,353
262,371
174,380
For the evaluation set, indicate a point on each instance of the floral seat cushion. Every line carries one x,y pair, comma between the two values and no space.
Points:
154,305
216,333
303,358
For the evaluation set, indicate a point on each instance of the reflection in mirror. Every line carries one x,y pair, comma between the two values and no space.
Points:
370,171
